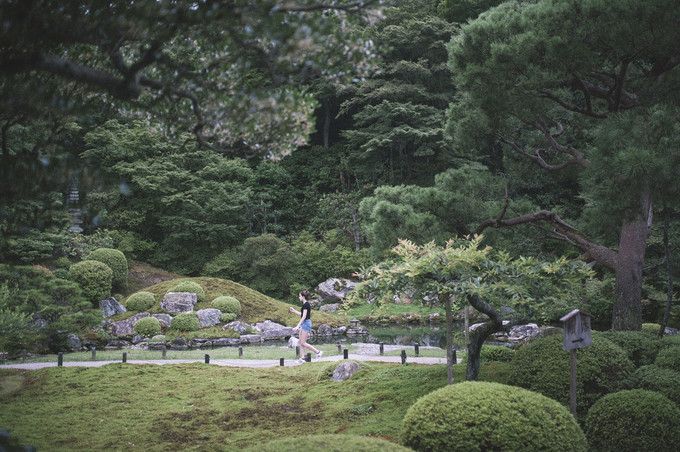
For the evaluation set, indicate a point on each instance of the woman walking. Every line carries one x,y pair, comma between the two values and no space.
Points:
305,325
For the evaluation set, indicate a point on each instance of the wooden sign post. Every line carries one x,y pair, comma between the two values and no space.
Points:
576,335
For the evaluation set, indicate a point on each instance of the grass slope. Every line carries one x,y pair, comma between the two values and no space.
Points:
255,307
203,407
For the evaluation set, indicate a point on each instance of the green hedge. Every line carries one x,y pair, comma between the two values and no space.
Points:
478,416
328,443
191,287
659,379
148,327
117,262
636,420
94,279
140,301
669,358
185,322
495,353
543,366
227,304
640,347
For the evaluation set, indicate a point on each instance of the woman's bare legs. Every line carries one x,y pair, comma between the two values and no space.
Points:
303,342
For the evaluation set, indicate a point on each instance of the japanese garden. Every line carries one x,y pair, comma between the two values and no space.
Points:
478,194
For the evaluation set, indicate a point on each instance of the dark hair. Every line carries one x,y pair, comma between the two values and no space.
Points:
306,295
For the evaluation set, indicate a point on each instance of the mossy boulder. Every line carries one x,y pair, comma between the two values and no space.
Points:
543,366
94,279
185,322
477,416
140,301
635,420
328,443
191,287
148,327
117,262
227,304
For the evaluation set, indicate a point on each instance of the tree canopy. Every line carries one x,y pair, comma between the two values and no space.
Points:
585,85
230,72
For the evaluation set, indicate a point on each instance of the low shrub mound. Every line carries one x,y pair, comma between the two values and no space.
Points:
185,322
659,379
117,262
640,347
669,358
191,287
651,329
635,420
328,443
498,354
475,416
227,304
543,366
148,327
140,301
94,279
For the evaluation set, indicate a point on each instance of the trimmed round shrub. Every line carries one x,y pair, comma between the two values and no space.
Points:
117,262
494,353
473,416
543,366
659,379
640,347
228,317
148,327
651,329
140,301
94,279
227,304
669,358
328,443
633,420
191,287
185,322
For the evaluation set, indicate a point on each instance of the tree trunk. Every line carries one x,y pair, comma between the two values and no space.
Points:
449,338
630,260
669,272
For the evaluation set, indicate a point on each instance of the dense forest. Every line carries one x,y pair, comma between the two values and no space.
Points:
281,145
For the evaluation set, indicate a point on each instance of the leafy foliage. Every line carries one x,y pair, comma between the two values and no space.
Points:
640,347
140,301
94,278
669,358
633,420
185,322
227,304
117,262
147,326
655,378
457,418
543,366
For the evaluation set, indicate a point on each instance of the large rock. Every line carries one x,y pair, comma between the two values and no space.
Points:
178,302
165,319
335,289
324,330
238,326
250,339
125,327
110,307
226,342
520,333
332,307
345,370
73,343
271,331
208,317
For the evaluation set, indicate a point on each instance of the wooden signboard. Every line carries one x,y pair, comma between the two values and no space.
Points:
576,330
576,335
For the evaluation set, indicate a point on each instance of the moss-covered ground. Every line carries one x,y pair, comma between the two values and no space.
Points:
206,407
